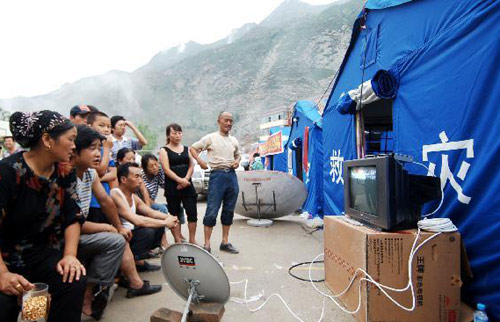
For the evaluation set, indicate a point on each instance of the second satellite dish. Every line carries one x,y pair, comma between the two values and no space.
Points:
269,194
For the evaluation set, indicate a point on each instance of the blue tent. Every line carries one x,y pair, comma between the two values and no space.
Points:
437,62
339,145
280,161
306,136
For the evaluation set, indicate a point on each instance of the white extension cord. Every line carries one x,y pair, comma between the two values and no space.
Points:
436,225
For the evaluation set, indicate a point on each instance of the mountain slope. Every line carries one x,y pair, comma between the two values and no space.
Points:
256,68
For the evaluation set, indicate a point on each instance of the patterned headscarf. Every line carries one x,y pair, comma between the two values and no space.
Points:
28,128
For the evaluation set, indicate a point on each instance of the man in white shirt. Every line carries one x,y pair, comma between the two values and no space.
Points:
147,225
223,158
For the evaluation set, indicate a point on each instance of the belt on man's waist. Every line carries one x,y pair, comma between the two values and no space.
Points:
223,170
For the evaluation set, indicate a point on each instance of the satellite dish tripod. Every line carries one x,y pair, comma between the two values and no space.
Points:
258,203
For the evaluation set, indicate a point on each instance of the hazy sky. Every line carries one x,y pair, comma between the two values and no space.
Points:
44,44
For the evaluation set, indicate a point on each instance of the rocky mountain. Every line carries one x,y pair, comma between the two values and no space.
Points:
292,54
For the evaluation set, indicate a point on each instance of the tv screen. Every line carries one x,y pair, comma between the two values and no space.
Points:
363,189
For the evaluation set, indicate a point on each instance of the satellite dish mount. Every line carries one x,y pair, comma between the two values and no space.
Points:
258,203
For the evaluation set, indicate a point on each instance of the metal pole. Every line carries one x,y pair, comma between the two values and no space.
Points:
188,304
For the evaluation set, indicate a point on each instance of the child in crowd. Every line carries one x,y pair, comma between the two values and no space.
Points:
106,169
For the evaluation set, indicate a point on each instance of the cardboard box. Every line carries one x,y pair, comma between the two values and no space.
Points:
384,255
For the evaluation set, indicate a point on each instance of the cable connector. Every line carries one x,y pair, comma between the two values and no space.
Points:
403,157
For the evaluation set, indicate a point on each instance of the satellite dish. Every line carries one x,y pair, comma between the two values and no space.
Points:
265,195
195,275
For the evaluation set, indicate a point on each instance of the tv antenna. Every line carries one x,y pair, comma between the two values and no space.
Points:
194,275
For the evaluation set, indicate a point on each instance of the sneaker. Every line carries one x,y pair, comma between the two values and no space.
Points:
146,267
146,289
229,248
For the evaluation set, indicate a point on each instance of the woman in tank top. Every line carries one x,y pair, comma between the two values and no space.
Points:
178,165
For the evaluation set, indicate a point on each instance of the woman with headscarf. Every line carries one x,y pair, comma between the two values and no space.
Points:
40,217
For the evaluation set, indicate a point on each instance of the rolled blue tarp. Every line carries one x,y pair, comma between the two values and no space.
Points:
345,104
384,84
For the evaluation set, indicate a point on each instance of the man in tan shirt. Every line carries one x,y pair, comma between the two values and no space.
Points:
223,158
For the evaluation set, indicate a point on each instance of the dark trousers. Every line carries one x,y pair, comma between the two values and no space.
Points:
67,298
145,239
222,189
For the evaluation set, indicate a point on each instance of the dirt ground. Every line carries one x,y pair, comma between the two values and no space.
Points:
264,259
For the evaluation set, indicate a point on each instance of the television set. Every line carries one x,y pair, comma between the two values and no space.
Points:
379,192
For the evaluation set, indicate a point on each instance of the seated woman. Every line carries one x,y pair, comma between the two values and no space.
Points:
41,219
153,178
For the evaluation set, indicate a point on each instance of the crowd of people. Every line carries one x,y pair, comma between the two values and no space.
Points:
79,214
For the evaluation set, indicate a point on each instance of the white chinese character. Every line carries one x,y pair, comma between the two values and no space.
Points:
446,174
336,163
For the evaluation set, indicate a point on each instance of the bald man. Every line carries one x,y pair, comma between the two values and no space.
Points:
223,159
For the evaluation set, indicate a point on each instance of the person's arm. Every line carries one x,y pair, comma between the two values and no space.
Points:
145,194
69,266
199,146
104,163
109,176
9,282
90,227
109,209
137,133
165,164
146,211
189,173
237,155
72,219
126,213
196,155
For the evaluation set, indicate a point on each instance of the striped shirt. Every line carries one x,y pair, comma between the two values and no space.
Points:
152,184
126,142
84,190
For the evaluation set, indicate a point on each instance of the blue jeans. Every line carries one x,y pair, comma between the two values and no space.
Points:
222,188
159,207
164,208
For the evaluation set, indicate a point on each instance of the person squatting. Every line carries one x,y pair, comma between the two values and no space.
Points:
80,215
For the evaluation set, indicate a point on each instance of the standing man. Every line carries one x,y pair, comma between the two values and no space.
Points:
118,128
223,158
10,146
78,114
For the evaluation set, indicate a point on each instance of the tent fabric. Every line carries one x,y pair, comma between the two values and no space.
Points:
339,145
383,85
307,118
383,4
444,59
314,202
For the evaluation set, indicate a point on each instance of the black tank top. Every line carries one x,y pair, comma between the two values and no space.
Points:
179,164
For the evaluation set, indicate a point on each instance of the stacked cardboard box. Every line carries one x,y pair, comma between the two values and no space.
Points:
384,256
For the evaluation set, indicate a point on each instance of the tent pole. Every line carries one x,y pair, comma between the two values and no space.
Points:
360,134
